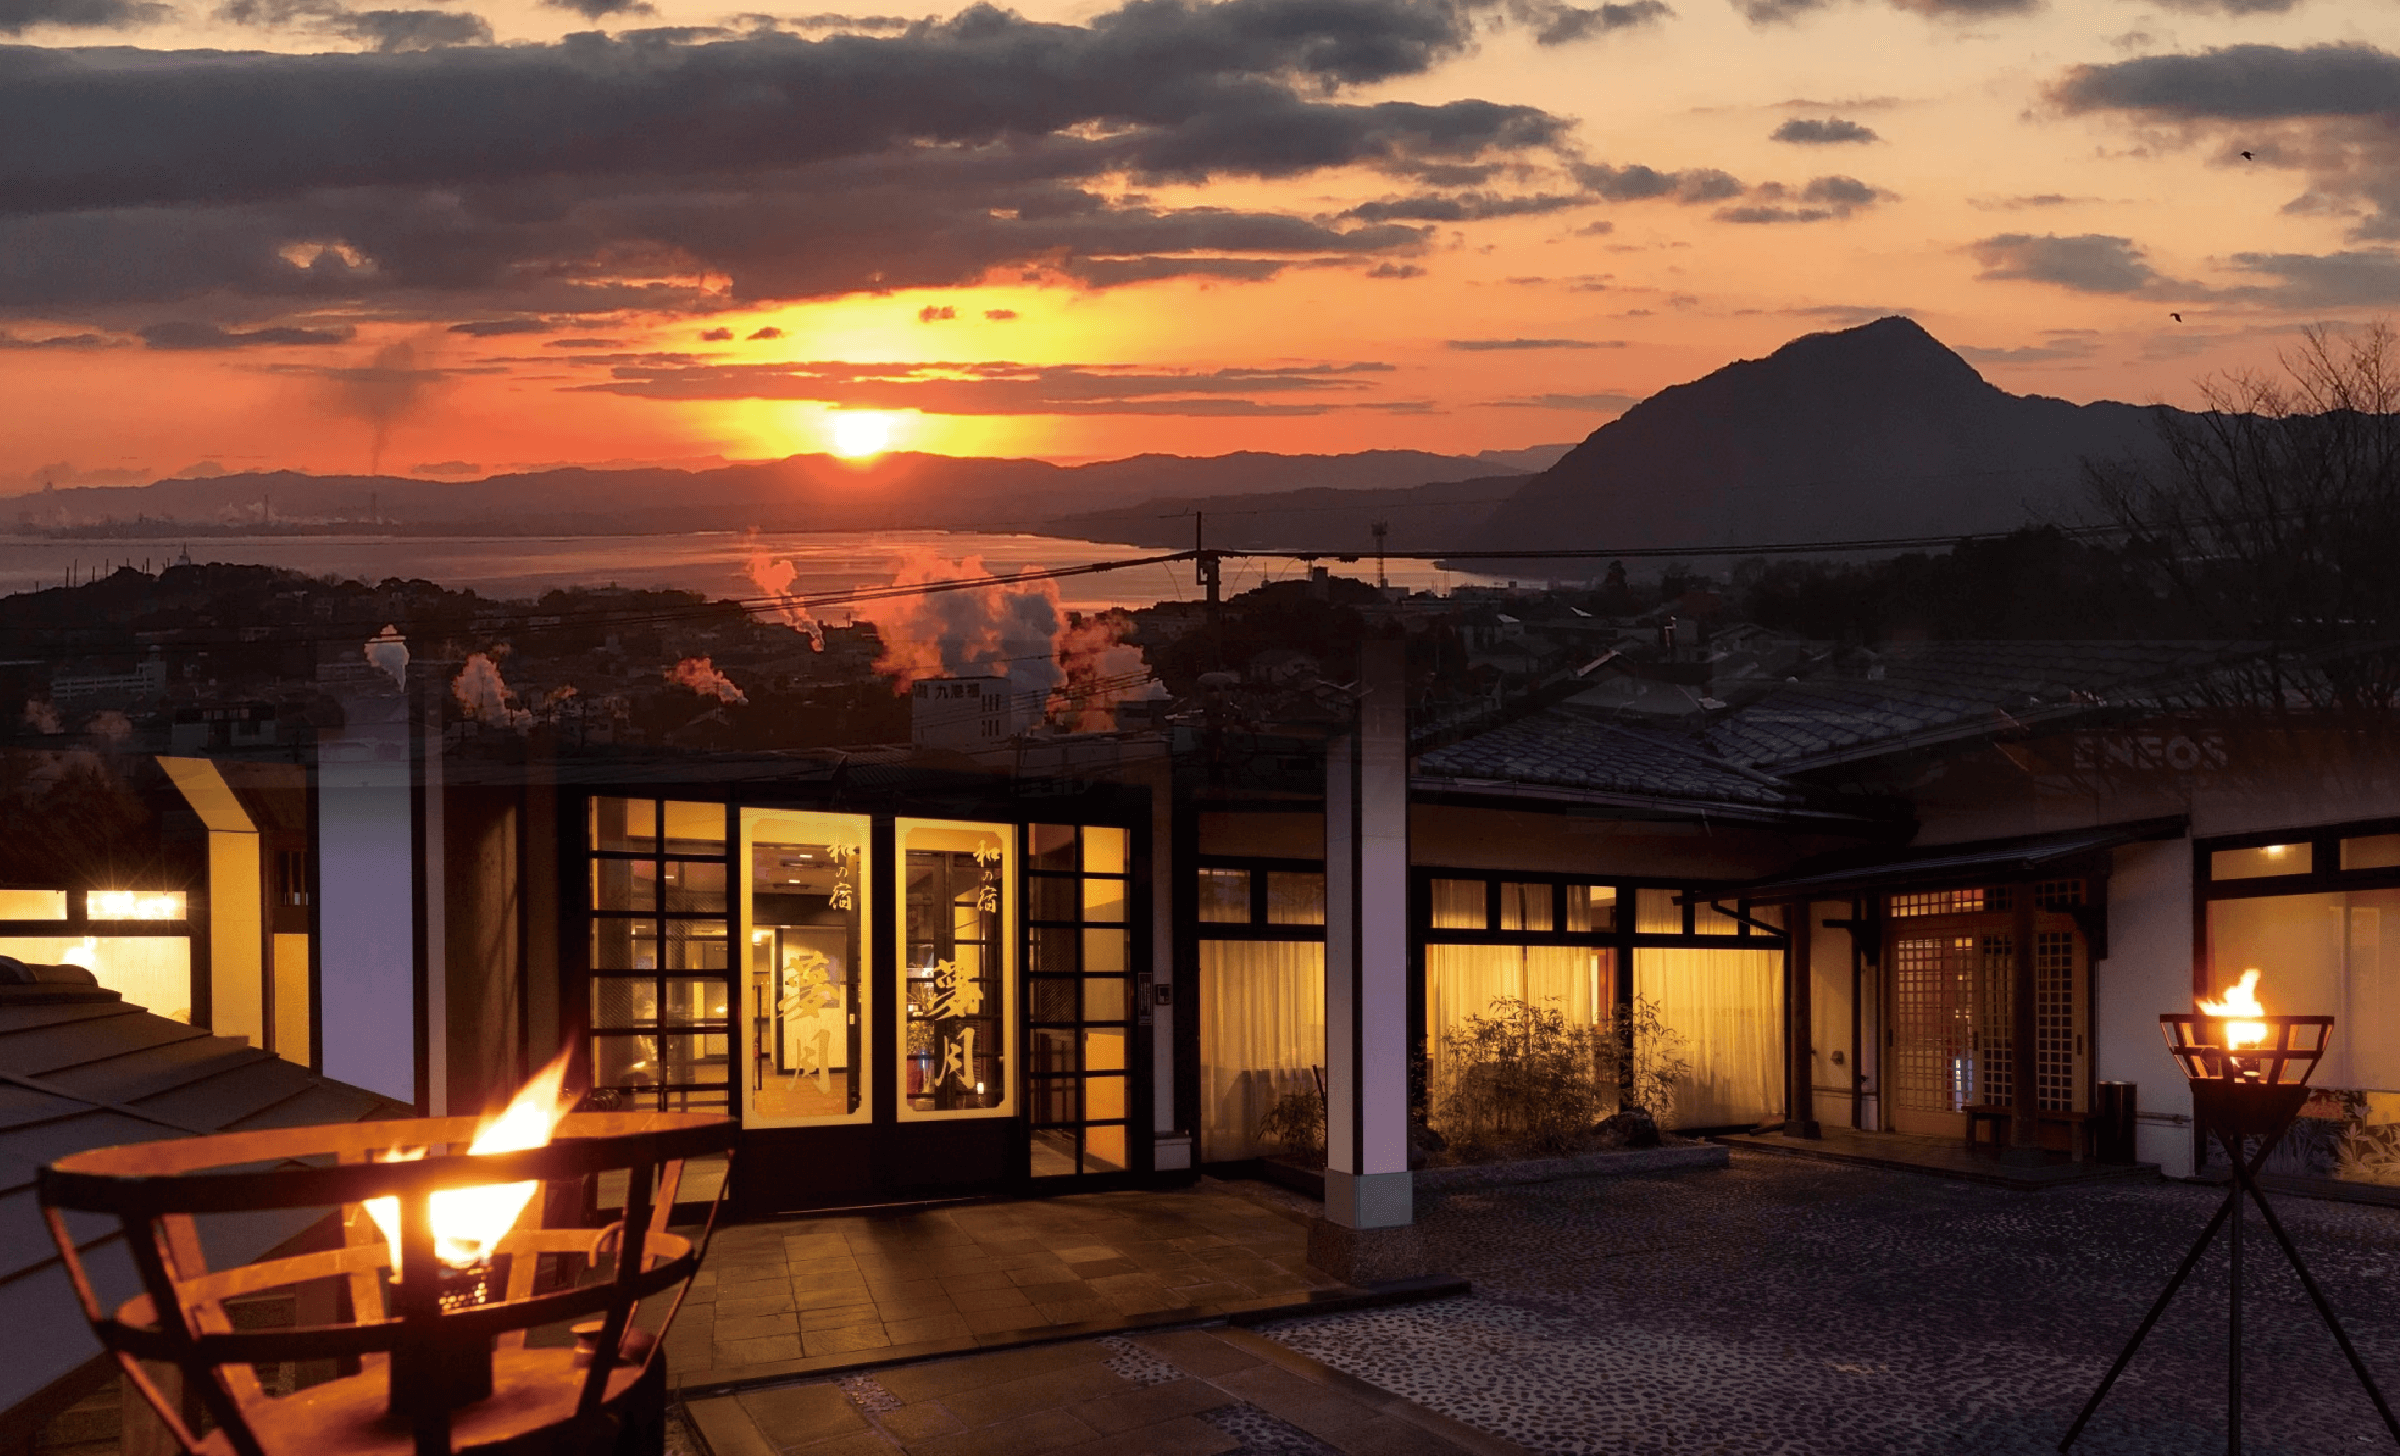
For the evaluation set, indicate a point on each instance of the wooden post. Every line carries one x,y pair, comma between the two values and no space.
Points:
1799,1016
2024,1127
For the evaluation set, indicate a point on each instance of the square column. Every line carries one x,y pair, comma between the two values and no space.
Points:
1368,1232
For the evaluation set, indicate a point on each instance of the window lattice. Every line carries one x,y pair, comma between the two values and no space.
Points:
1995,1019
2055,1020
2058,894
1976,901
1932,1023
1937,902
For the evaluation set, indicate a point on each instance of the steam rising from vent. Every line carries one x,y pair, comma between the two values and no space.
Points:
1081,670
41,717
387,650
773,576
1102,670
481,692
701,676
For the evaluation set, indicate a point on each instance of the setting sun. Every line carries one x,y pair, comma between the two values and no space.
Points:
860,434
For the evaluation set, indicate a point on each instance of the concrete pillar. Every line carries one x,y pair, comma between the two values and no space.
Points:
1368,1232
366,887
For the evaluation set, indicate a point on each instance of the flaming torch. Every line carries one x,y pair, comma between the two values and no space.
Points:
439,1203
2249,1074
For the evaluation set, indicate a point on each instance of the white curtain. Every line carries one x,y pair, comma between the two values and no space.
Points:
1464,980
1728,1004
1262,1035
2320,955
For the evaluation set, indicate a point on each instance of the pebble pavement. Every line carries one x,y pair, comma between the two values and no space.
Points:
1783,1307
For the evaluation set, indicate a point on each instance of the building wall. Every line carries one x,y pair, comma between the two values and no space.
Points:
2148,971
484,930
1830,986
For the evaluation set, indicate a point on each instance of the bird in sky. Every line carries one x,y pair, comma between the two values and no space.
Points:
2176,316
2245,156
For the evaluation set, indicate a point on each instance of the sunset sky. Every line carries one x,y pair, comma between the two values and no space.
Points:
249,234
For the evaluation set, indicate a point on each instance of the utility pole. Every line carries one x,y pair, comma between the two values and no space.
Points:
1379,529
1204,561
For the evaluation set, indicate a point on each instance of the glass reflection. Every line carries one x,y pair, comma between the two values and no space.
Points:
807,990
954,956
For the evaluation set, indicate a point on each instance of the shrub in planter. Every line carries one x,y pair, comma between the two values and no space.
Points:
1296,1125
1641,1059
1523,1079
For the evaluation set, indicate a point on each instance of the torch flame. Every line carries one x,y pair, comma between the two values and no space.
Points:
468,1223
2242,1000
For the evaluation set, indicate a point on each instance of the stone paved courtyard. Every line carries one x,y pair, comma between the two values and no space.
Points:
1787,1306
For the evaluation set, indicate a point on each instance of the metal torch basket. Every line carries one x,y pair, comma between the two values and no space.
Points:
2249,1090
542,1399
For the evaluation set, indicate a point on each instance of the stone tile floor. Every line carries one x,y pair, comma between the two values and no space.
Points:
812,1294
1791,1306
1192,1392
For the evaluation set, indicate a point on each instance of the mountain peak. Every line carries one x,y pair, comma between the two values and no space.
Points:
1893,343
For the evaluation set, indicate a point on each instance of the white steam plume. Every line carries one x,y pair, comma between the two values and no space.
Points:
701,676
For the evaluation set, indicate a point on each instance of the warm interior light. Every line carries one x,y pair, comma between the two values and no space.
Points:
2242,1000
468,1223
860,433
133,905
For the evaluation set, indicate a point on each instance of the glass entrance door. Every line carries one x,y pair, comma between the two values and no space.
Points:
807,1032
1079,1005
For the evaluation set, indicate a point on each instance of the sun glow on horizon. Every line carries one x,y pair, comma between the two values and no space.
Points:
859,434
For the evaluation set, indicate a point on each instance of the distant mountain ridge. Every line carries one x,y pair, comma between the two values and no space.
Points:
899,490
1875,431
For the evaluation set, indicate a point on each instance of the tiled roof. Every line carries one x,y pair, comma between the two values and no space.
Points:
1564,749
80,1068
1929,689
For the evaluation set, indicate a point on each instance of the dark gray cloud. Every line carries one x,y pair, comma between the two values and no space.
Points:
1463,207
1816,132
2367,277
497,328
1785,12
19,16
1478,346
59,341
716,336
1555,23
2086,262
601,9
999,315
769,331
412,30
2243,83
2236,8
936,313
1822,199
2329,112
1000,388
1636,183
605,173
196,336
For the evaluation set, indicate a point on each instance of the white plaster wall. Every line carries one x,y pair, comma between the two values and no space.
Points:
2148,971
366,867
1829,1012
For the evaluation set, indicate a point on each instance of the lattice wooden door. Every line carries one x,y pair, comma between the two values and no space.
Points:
1951,1042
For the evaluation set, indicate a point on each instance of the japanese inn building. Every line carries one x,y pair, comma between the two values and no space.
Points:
1962,888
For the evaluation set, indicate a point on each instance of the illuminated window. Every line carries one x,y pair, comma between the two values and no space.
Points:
2371,852
153,972
958,1015
1224,896
33,904
133,904
808,1020
1459,905
2261,861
